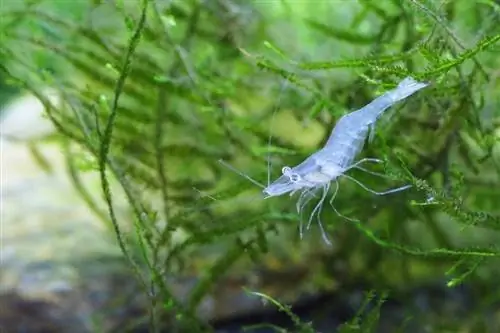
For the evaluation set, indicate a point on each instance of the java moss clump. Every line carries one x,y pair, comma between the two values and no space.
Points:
155,93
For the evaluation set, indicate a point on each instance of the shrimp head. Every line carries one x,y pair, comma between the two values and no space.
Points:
311,173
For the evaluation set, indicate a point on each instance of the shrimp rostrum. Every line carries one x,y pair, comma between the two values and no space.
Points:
314,176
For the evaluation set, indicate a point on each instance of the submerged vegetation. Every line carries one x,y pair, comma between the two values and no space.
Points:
156,92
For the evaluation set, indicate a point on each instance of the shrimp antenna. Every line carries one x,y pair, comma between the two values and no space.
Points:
271,123
230,167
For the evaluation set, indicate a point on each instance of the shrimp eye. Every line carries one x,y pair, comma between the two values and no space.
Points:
294,177
286,171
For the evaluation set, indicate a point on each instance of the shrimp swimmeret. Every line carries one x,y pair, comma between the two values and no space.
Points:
327,165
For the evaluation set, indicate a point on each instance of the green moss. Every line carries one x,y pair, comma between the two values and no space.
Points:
158,95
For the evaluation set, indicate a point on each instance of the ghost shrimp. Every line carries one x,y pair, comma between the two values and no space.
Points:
317,172
330,163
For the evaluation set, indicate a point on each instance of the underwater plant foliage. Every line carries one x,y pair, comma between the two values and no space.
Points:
157,92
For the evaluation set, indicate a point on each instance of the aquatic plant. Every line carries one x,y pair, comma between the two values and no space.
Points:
155,93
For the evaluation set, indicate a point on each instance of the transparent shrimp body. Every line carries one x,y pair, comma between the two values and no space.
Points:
346,141
349,134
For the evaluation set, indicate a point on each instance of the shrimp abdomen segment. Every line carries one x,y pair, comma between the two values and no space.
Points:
346,141
350,132
373,110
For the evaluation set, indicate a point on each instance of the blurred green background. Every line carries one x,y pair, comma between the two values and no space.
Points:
152,94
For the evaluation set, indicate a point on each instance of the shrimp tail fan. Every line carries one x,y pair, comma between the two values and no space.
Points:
406,88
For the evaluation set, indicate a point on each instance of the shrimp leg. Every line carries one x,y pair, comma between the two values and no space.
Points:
319,205
394,190
371,172
304,198
364,160
323,232
317,211
333,207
